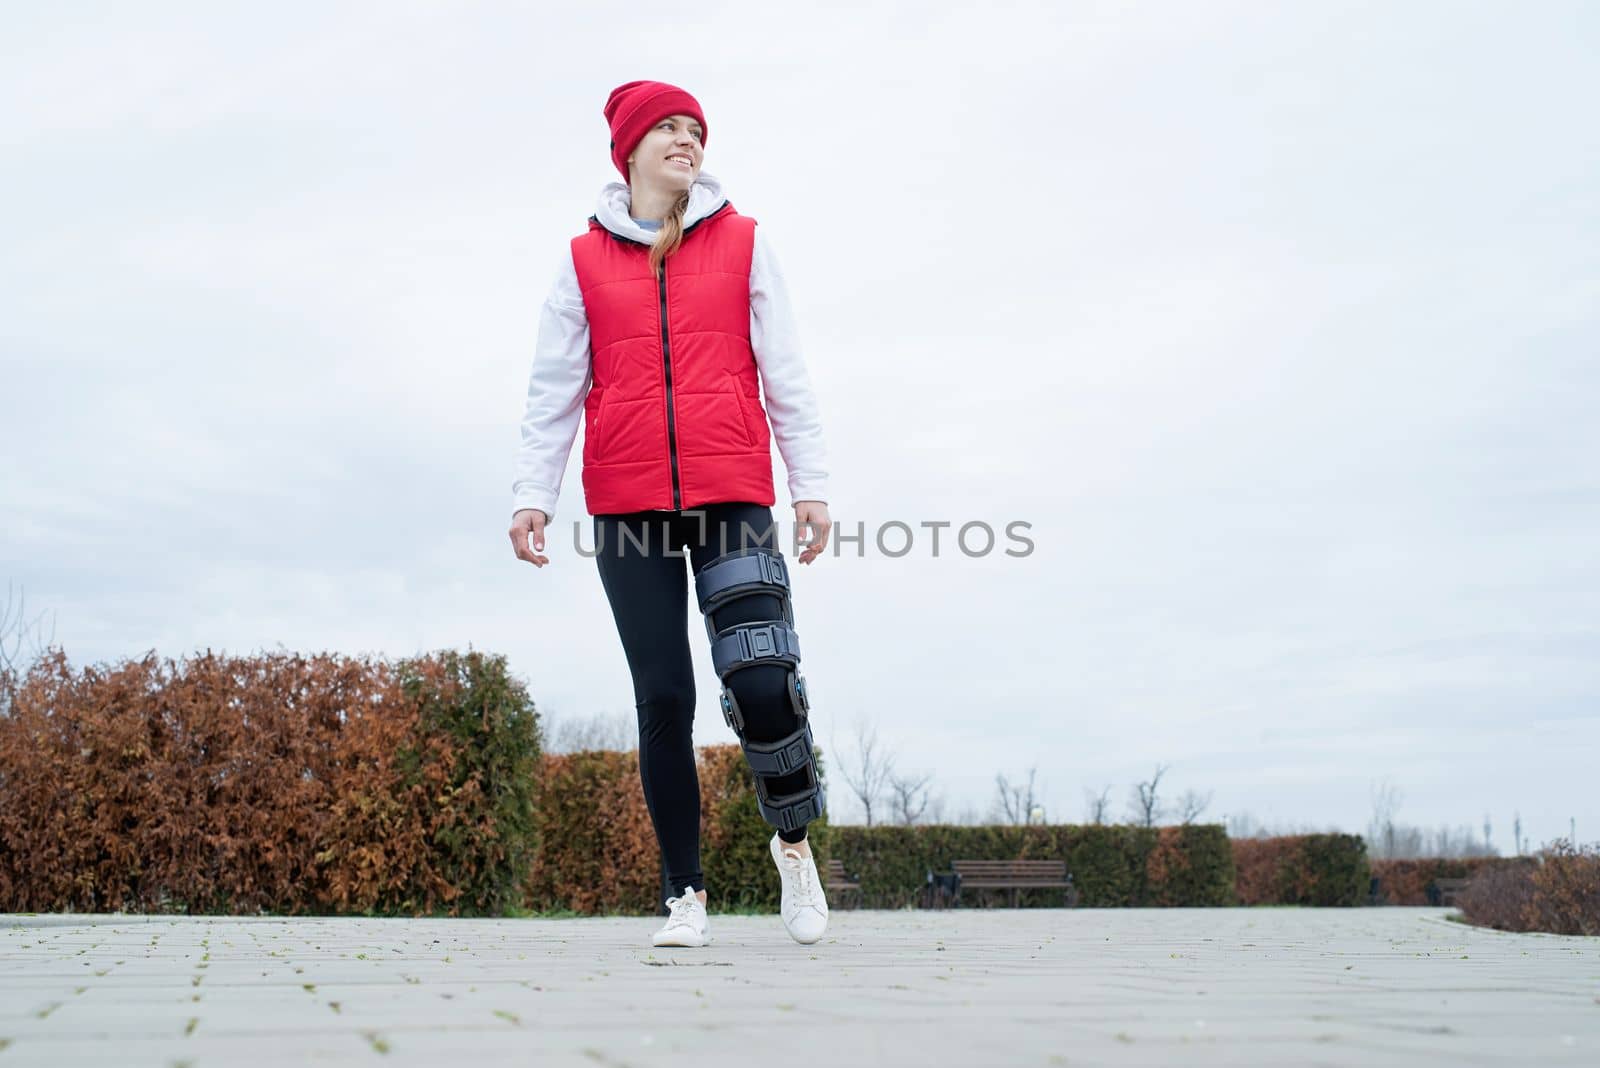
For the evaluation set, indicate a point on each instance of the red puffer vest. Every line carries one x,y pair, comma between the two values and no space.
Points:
673,418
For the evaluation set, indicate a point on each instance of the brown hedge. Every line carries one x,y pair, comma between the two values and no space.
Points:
598,852
1557,891
1405,882
328,785
277,783
1302,869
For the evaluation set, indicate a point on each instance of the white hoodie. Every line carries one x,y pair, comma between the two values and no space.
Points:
562,371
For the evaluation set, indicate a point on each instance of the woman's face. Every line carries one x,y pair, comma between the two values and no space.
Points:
669,155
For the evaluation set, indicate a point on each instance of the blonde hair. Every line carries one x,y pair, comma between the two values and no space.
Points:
670,236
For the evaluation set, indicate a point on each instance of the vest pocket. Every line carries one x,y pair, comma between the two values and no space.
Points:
744,415
597,432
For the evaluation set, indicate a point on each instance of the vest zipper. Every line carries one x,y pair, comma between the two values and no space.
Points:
666,363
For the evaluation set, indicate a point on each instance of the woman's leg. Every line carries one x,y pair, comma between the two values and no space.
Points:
648,591
763,690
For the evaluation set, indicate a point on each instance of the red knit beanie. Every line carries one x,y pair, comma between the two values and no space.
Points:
636,106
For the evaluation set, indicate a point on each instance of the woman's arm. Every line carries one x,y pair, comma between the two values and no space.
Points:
785,383
556,390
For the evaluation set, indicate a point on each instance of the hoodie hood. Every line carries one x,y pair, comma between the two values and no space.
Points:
705,197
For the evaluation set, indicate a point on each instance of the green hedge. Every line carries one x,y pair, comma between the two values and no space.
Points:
1302,869
476,745
1111,866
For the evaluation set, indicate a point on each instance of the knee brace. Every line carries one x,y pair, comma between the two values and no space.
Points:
773,641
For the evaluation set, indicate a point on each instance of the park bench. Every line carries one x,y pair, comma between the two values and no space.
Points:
1445,891
837,882
1013,875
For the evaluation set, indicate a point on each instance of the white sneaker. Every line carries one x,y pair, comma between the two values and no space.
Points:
686,926
804,909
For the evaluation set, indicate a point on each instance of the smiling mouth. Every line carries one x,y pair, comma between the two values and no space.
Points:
683,161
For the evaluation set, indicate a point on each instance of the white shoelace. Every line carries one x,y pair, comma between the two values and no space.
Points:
681,908
806,892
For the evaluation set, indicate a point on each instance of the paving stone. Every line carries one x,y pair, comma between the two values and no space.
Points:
1366,987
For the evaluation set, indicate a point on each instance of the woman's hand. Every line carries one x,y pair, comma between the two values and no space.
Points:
529,521
812,515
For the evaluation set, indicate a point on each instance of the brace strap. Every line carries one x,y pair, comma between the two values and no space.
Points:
734,576
791,811
786,755
754,643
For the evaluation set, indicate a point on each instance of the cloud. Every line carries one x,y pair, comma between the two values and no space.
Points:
1276,325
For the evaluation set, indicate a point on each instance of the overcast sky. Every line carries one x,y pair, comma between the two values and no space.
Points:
1278,324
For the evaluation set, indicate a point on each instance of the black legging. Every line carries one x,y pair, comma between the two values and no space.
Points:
647,583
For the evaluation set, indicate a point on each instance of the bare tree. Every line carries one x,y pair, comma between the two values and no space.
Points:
1516,831
869,770
612,731
1098,805
1191,805
1401,841
1245,825
1014,802
16,629
1144,802
1488,836
1381,836
1457,841
908,797
1392,840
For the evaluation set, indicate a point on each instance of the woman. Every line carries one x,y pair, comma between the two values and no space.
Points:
662,320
